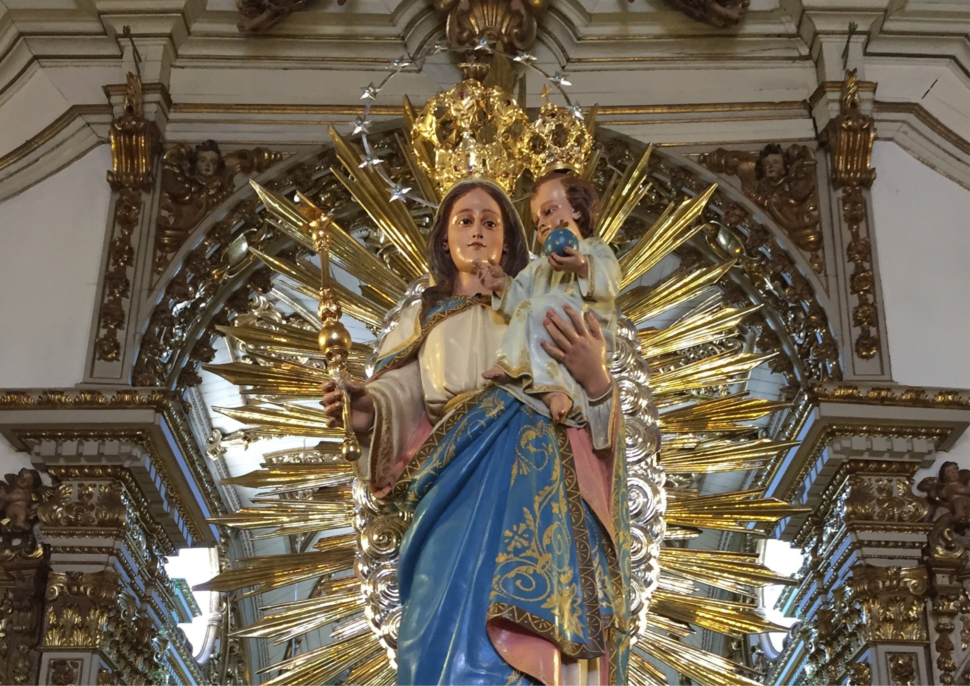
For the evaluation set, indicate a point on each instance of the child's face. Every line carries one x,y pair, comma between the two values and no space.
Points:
550,206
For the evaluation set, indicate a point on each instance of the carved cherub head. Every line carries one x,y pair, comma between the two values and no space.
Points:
206,161
771,164
27,479
950,472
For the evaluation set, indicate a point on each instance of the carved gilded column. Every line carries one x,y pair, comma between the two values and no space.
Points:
842,114
135,140
24,566
126,490
865,596
948,567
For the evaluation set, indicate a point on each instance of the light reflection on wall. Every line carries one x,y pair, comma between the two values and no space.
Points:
782,559
196,566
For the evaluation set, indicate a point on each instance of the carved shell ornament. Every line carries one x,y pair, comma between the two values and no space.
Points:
684,369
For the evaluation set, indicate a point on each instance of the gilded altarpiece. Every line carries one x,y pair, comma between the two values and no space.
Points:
880,591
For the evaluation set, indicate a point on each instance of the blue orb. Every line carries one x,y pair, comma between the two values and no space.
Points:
558,240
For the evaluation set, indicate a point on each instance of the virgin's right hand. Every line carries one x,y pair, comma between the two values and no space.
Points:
361,405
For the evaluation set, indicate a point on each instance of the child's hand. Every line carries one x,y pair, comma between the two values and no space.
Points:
492,278
574,261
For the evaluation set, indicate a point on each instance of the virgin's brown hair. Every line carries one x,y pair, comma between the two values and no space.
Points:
582,197
515,254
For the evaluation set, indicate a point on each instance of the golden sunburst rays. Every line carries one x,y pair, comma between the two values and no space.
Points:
419,156
720,456
333,555
734,511
642,672
286,621
306,280
643,303
285,419
735,572
382,282
722,415
285,478
717,370
324,664
700,666
393,218
693,330
288,517
622,197
723,616
673,228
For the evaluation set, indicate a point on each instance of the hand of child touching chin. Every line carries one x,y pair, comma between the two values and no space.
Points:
574,262
492,278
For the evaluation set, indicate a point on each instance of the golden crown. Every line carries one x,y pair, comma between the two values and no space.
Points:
477,130
559,139
473,130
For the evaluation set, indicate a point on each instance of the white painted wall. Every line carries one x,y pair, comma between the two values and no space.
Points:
35,103
922,229
51,239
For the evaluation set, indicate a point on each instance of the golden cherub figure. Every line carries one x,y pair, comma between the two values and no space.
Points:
950,491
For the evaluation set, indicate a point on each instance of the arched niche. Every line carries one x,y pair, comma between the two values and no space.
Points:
212,276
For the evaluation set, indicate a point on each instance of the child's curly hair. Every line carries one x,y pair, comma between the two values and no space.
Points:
582,196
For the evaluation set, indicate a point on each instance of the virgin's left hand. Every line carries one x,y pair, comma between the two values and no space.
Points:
573,261
581,347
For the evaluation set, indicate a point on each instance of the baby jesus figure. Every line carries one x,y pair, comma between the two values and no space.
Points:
587,279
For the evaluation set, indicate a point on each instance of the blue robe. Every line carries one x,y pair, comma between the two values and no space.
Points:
501,534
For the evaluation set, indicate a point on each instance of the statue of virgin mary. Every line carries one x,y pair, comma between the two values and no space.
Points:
516,566
491,545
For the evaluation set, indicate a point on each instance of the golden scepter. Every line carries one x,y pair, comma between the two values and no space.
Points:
334,339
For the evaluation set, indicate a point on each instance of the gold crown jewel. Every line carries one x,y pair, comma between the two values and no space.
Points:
474,131
557,140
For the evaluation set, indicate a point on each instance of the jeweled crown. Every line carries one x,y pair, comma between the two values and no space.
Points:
473,130
560,138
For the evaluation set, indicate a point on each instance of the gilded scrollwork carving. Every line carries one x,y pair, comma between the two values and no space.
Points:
849,137
720,14
785,183
883,499
100,505
510,24
860,674
78,608
901,396
902,668
946,607
256,16
23,577
134,142
892,601
93,610
194,181
65,672
134,147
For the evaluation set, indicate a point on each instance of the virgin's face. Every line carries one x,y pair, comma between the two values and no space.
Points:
476,233
550,207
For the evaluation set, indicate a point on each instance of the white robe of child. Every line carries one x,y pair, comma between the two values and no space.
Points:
538,288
